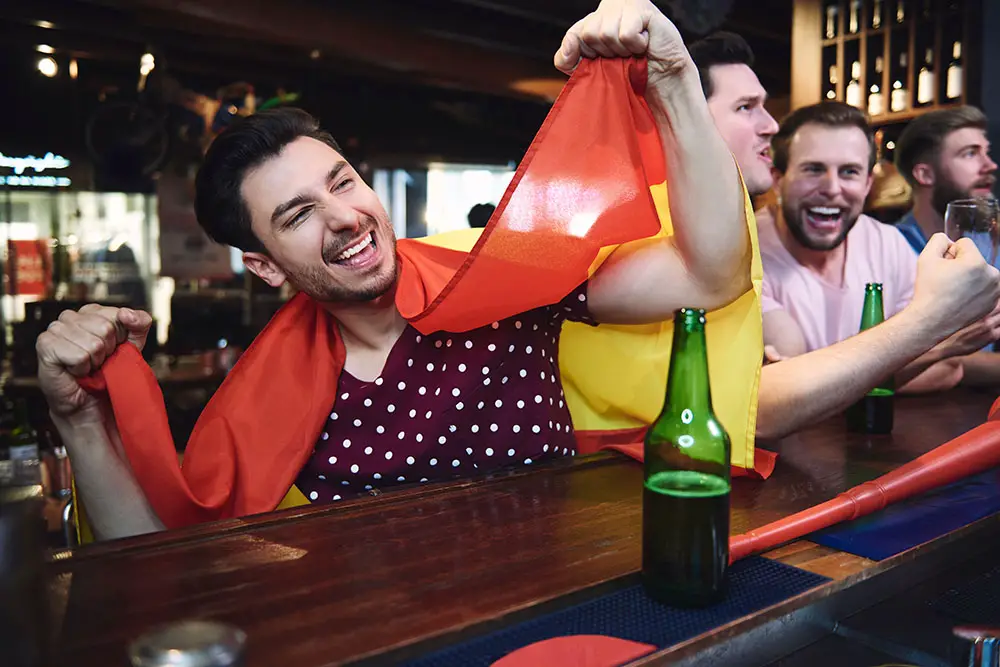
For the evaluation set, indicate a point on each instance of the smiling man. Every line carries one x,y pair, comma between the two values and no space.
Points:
375,401
948,294
819,250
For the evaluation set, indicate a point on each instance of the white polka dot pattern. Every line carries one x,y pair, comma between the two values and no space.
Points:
435,411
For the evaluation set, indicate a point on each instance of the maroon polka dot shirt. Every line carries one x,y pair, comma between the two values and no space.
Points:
449,405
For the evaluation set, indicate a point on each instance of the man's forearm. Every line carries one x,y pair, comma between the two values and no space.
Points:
706,201
810,387
115,504
982,369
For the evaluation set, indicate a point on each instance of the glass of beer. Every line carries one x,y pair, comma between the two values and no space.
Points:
975,219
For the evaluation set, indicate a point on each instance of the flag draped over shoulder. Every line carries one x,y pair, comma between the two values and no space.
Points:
593,179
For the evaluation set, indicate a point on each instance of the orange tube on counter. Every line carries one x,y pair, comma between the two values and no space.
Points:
968,454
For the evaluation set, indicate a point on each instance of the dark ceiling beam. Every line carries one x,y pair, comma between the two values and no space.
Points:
359,37
510,9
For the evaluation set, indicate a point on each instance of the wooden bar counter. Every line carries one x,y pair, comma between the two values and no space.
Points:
337,583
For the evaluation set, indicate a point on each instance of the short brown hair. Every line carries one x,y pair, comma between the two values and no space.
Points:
921,140
830,114
719,48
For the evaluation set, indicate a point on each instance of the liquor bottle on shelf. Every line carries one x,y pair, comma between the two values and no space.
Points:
876,100
900,11
854,22
953,85
899,99
853,94
831,85
925,79
877,14
831,21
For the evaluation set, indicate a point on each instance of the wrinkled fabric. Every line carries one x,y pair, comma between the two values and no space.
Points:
592,180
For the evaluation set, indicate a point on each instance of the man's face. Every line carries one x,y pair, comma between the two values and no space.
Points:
324,229
963,169
737,106
824,188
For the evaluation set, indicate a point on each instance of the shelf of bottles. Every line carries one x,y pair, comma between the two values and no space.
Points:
895,59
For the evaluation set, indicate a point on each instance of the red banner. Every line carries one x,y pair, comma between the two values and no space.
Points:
29,267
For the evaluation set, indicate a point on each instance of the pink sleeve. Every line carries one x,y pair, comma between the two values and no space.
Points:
906,272
767,300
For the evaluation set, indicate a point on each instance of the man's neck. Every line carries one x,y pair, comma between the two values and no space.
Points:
827,264
928,219
369,325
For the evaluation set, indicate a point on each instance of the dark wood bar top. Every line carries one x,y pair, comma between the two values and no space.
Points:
332,584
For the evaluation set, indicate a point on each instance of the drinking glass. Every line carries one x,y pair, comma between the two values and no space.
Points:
975,219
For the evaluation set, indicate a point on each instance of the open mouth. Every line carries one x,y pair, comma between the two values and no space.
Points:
765,154
359,254
824,218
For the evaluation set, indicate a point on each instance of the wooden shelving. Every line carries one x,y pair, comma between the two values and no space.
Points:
839,49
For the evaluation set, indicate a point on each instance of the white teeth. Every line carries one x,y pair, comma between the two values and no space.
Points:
355,249
824,210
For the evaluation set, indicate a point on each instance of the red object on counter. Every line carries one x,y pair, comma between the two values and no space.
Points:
968,454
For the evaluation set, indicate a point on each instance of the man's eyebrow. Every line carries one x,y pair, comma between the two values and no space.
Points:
303,198
287,206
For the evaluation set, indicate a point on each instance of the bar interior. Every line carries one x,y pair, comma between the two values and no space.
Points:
468,333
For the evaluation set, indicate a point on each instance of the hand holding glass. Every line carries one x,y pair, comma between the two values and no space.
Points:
975,219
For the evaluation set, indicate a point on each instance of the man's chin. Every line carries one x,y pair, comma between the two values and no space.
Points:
758,183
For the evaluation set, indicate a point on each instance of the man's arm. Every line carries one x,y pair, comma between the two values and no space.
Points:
105,486
72,347
982,369
954,287
807,388
706,263
955,360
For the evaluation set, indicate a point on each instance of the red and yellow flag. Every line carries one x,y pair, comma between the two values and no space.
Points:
592,180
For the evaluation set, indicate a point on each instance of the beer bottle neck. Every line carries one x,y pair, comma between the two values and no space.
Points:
873,312
688,386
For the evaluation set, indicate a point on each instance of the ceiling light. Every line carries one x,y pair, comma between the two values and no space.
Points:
48,67
45,48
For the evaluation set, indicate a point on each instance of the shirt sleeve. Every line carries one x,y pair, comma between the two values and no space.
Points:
906,273
767,301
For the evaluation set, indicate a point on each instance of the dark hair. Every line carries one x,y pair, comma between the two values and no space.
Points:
480,214
830,114
922,138
719,48
246,144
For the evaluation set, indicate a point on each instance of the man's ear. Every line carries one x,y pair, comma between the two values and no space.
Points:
924,174
264,268
776,176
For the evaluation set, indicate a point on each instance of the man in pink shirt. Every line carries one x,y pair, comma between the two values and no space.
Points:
819,250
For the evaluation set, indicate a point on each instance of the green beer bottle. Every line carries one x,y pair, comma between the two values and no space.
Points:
685,501
873,413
